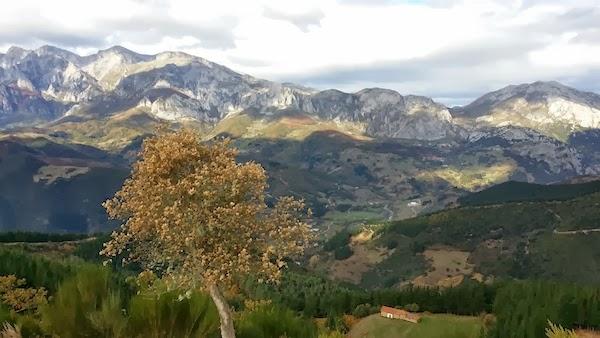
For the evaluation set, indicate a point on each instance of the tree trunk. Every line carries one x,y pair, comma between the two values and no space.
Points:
227,329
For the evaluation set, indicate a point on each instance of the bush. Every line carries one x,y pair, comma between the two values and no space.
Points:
363,310
390,281
172,314
417,247
336,322
87,295
30,326
338,240
557,331
343,252
412,307
90,250
392,244
270,320
37,270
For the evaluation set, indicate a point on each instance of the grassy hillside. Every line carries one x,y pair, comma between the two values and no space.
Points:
431,326
49,187
517,240
522,191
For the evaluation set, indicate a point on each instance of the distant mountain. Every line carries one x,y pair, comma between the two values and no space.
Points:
548,107
179,87
355,157
384,112
50,84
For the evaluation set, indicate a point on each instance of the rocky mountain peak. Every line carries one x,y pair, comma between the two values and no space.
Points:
178,86
125,54
13,55
549,107
16,51
58,52
536,92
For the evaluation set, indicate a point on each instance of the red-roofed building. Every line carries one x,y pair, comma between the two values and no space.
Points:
393,313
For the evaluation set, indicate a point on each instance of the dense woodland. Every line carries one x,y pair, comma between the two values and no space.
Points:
241,274
114,302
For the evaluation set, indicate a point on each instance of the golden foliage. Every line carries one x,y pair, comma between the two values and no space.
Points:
557,331
196,217
18,298
252,305
10,331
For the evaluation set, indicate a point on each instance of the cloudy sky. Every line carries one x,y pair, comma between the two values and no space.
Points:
450,50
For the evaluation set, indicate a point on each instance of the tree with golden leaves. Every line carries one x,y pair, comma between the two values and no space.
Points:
18,297
197,218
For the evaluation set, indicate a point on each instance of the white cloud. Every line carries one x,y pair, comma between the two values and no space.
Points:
452,50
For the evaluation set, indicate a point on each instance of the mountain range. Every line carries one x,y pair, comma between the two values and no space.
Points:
373,154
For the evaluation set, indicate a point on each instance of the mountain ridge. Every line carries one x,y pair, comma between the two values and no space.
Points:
206,92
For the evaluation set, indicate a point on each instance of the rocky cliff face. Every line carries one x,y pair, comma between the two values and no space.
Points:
384,112
541,156
180,87
22,106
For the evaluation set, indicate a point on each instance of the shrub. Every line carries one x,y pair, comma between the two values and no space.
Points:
363,310
37,270
336,322
392,244
79,299
412,307
172,314
557,331
270,320
343,252
338,240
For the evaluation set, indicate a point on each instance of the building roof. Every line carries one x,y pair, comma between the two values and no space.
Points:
398,312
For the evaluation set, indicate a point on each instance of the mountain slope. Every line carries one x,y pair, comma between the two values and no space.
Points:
49,83
178,87
513,191
548,107
50,187
532,239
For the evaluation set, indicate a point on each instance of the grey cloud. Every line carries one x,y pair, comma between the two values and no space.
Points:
303,20
249,62
574,20
462,72
587,80
146,29
591,36
28,34
483,53
63,39
467,71
34,30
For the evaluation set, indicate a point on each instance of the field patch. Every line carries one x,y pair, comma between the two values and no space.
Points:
363,259
447,267
430,326
474,177
50,173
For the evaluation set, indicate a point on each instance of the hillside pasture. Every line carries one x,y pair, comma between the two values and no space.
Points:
430,326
